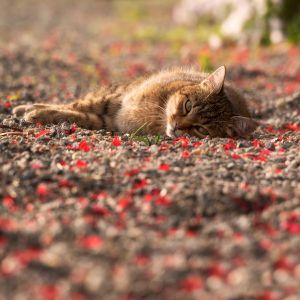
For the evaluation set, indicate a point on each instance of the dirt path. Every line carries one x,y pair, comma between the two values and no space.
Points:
88,215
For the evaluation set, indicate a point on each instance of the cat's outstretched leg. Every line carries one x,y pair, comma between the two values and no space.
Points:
20,110
54,114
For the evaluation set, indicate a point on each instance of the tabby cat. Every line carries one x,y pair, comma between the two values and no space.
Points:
172,102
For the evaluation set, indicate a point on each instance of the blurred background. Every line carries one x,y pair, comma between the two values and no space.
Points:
215,21
108,40
232,232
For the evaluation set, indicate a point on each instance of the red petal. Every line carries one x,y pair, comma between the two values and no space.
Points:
116,142
164,167
91,242
191,283
42,133
84,146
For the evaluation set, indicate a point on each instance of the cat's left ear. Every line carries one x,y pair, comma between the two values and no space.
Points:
243,126
215,81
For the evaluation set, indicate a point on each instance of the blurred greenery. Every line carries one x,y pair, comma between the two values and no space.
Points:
153,20
290,15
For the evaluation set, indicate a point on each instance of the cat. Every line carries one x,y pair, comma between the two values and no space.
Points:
171,102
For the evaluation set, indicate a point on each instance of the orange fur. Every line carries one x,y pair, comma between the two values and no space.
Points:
157,105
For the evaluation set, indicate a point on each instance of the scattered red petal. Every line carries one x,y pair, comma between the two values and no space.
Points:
81,163
257,143
269,86
292,227
135,69
267,295
148,198
280,138
42,133
140,184
83,201
99,210
142,260
7,104
184,141
163,201
64,183
42,190
99,196
164,167
125,202
261,158
231,145
77,296
238,237
284,263
293,127
48,292
70,147
132,172
164,147
265,152
217,270
8,224
84,146
73,128
36,165
244,186
266,244
241,56
116,142
236,156
91,242
197,144
8,201
191,283
185,154
291,88
27,255
191,233
269,129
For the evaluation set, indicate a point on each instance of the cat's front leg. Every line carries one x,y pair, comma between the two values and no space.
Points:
21,110
55,114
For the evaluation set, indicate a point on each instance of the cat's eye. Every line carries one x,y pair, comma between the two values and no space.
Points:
188,106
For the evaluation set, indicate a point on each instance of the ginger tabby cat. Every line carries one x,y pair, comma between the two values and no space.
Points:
172,102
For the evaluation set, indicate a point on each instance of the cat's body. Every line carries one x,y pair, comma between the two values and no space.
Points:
170,102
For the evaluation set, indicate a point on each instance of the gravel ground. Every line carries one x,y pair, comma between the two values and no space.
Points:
96,215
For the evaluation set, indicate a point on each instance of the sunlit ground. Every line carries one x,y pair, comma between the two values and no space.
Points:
95,215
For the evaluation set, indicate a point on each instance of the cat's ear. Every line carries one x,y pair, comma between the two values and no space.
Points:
215,81
243,126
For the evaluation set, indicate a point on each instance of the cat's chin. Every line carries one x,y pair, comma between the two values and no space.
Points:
171,132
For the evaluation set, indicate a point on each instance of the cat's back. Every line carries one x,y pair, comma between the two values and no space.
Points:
162,82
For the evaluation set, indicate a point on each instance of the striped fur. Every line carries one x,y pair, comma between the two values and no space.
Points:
155,105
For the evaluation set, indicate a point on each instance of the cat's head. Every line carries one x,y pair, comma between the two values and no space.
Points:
203,109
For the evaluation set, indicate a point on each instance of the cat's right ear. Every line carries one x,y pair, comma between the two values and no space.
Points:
215,81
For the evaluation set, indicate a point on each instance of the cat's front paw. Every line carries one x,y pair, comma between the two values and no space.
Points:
20,110
36,116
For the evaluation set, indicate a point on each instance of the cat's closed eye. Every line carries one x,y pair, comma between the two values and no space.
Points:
201,130
188,106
